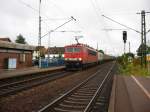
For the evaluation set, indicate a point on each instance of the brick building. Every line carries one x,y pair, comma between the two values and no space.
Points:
15,56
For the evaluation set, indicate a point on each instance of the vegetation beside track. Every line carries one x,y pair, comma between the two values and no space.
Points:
133,67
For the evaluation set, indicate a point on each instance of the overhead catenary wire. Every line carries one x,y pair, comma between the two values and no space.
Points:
111,29
72,18
148,31
37,11
97,9
62,12
43,15
28,5
121,24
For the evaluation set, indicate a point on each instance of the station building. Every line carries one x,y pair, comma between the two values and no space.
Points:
14,55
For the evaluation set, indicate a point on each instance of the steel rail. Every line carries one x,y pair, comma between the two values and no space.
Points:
12,89
69,92
58,101
93,100
27,80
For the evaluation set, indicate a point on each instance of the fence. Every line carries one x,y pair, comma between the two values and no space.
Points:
52,62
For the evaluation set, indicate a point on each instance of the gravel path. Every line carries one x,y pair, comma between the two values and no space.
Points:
33,99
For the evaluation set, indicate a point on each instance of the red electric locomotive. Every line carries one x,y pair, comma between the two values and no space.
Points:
79,56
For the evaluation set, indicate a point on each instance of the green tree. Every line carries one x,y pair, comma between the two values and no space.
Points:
129,54
142,48
101,51
20,39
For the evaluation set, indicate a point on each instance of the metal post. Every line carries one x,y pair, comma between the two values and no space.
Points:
143,37
39,40
124,48
129,47
49,46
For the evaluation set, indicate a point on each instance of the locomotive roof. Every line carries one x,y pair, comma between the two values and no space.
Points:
79,45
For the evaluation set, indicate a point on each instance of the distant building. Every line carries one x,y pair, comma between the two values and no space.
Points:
7,39
15,56
55,51
41,50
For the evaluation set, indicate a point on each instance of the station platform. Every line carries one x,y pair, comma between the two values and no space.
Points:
130,94
27,71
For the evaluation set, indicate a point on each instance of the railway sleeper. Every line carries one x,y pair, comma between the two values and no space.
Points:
75,99
81,96
76,102
66,110
89,87
87,90
71,107
85,94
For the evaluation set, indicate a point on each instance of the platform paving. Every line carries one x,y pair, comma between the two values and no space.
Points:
27,71
130,94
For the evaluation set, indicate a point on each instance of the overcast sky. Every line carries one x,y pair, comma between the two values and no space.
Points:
21,16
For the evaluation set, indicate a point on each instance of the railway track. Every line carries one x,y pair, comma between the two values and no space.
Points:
14,87
86,96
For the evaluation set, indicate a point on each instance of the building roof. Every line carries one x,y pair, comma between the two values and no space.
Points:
11,45
56,50
7,39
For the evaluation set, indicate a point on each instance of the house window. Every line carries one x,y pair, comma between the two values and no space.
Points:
22,58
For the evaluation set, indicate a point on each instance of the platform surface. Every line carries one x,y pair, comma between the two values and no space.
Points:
130,94
26,71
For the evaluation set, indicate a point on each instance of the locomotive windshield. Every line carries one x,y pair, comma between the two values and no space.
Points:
73,49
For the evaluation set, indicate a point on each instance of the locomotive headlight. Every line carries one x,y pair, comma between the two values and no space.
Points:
66,58
80,59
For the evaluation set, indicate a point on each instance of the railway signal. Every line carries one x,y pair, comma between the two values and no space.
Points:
124,36
142,33
124,39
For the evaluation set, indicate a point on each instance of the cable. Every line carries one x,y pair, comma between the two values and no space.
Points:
148,31
97,10
36,10
72,18
57,7
53,19
121,24
28,5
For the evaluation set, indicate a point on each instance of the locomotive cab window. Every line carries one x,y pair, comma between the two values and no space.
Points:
69,49
75,49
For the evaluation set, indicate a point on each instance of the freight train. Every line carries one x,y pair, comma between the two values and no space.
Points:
79,56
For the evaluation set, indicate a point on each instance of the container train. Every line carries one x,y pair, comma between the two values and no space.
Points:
79,56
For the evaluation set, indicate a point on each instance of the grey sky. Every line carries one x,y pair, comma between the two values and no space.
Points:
18,18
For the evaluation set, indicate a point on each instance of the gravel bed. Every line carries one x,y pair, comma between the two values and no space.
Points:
33,99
